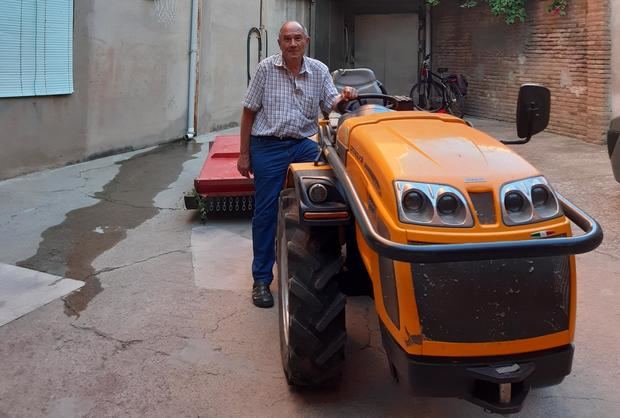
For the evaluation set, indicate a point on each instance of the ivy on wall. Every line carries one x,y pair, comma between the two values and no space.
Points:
511,10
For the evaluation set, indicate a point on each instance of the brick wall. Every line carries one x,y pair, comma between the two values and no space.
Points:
569,54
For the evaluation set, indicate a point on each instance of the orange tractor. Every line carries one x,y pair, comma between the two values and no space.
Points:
466,247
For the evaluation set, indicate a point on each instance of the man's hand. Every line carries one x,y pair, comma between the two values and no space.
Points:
244,166
340,104
349,93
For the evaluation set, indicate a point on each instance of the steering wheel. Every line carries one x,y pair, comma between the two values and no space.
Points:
345,105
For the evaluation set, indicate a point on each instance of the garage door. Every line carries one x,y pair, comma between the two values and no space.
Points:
388,44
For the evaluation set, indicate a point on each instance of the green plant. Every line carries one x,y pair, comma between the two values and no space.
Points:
202,206
511,10
558,7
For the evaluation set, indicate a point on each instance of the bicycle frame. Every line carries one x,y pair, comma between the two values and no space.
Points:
427,76
428,98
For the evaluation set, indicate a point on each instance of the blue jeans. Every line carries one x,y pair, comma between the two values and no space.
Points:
270,158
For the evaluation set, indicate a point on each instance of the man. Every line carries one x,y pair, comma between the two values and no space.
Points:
280,112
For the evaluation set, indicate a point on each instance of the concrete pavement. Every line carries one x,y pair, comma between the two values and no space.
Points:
164,324
24,290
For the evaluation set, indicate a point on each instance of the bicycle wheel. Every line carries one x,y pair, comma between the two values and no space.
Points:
455,101
429,97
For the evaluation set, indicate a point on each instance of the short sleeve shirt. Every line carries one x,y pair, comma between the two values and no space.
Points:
287,105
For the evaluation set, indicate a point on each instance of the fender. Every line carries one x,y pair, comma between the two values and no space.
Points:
334,210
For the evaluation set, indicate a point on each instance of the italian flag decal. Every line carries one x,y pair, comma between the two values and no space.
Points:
543,234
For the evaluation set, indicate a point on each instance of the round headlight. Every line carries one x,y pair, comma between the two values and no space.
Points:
447,204
540,195
317,193
514,202
413,201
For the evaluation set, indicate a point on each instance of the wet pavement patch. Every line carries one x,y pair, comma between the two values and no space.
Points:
69,248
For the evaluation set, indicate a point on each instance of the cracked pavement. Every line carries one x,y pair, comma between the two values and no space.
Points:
169,329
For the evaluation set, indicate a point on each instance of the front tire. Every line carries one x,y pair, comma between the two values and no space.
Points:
311,306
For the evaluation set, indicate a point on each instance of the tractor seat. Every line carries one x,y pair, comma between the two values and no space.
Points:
363,80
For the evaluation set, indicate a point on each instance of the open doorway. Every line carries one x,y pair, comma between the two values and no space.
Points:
388,45
386,36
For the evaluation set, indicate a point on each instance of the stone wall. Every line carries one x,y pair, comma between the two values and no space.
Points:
569,54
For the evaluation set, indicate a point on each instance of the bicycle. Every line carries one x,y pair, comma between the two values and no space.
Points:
436,92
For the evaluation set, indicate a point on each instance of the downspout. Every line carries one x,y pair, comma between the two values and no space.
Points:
428,30
193,69
263,32
312,27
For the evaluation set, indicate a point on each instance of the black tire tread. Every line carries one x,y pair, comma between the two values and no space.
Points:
299,329
336,345
316,307
301,254
330,313
298,288
327,273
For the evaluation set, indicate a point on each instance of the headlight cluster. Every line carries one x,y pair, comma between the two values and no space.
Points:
432,205
527,201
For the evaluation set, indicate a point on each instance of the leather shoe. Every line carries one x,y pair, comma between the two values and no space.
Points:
261,296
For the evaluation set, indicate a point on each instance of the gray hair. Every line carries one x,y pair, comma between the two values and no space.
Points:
303,28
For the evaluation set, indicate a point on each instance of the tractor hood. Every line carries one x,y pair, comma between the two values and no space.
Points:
430,148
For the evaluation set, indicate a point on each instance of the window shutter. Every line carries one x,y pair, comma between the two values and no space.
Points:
36,47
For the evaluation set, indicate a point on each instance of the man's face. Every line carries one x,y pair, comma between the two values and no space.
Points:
293,42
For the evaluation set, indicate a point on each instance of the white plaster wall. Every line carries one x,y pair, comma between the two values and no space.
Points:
138,74
223,75
130,78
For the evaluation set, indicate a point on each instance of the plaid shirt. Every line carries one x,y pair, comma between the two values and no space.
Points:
285,105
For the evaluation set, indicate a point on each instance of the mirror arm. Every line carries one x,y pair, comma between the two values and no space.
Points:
531,110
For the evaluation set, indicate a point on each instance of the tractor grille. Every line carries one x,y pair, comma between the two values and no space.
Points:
493,300
485,208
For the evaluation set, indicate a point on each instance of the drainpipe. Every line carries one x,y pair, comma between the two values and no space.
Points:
428,30
263,32
312,28
193,68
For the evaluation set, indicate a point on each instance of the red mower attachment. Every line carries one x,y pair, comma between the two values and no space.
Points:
219,188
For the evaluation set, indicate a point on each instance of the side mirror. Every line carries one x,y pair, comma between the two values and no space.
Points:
533,111
613,146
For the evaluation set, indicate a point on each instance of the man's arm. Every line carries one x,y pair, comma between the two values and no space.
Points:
244,165
251,103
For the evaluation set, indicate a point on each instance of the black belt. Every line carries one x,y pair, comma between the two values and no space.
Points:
276,138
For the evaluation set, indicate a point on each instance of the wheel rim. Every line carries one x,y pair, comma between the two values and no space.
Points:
283,284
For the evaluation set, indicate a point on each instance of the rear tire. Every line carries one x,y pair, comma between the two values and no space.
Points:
311,306
429,98
456,102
